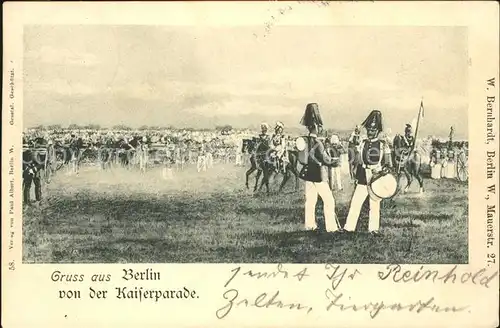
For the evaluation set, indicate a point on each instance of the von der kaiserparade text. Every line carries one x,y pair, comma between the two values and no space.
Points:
130,290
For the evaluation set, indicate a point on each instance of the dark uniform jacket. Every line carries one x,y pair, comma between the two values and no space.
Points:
435,155
373,154
354,140
409,141
317,160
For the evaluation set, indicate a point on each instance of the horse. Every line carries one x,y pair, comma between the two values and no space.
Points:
409,164
249,146
71,154
264,164
43,153
105,153
126,151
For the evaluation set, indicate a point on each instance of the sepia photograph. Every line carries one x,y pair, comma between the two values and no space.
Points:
250,163
237,144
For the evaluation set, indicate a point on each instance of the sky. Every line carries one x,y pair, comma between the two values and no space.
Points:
186,76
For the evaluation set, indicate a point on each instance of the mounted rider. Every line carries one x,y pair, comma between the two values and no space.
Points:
264,136
408,138
279,147
355,137
263,141
352,150
408,145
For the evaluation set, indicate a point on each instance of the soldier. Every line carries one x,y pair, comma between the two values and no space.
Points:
278,145
31,174
335,150
354,141
408,138
264,136
374,154
355,137
435,161
450,163
201,163
404,152
143,153
209,150
238,147
74,148
315,175
26,141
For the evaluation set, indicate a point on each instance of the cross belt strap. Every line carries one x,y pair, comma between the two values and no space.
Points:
371,167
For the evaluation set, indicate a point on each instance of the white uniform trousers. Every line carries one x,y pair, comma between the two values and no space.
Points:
358,198
335,178
313,189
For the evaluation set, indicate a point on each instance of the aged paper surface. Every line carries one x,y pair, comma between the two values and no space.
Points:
133,135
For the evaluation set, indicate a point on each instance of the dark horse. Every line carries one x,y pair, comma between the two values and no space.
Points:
264,164
408,163
352,156
126,151
70,155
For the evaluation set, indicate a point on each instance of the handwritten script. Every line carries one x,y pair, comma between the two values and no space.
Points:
342,303
339,281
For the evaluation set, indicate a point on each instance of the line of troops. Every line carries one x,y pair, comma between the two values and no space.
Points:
111,148
444,158
170,148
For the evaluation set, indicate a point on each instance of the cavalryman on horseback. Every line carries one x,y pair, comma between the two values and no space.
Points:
354,141
278,146
406,147
408,137
264,136
263,141
407,158
355,137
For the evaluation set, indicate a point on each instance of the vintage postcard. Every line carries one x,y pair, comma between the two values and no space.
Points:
269,164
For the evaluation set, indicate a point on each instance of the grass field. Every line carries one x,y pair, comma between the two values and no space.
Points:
124,216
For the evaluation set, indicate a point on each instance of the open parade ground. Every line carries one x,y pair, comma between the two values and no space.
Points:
126,216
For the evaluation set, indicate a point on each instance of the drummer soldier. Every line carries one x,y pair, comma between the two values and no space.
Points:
374,155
